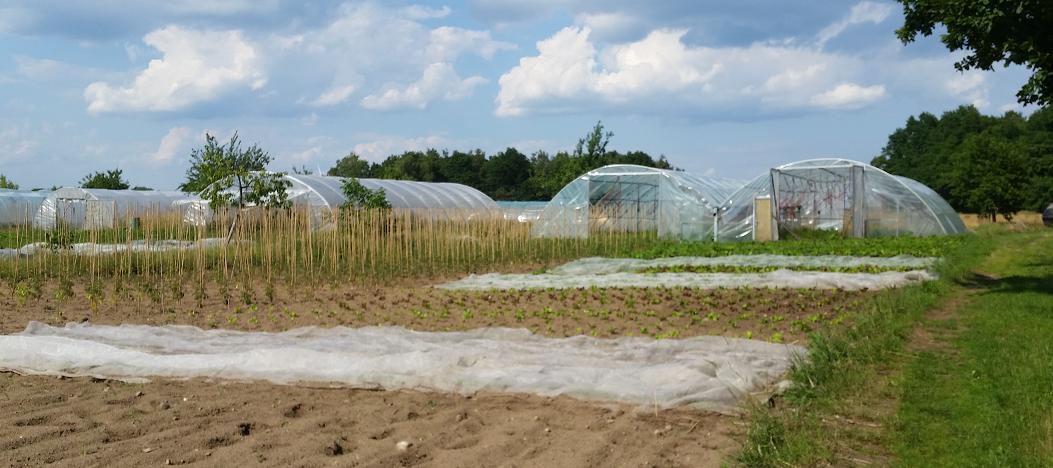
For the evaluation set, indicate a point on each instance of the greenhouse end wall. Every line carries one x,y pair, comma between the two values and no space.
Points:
840,195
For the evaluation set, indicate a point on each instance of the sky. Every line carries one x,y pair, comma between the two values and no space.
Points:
720,88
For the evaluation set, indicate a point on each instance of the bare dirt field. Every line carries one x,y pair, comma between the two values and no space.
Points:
775,315
89,422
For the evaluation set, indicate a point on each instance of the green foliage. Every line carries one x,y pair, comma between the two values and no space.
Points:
991,175
215,161
978,163
226,175
350,166
507,175
931,246
111,180
358,196
6,183
594,145
992,32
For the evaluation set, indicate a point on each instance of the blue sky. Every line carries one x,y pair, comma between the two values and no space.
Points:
724,88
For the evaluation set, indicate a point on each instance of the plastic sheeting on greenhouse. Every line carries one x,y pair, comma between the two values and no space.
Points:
629,198
103,209
1047,216
324,196
18,208
838,194
522,211
708,372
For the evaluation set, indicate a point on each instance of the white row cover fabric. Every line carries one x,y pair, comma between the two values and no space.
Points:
707,372
104,209
603,266
630,198
836,194
775,279
18,208
91,248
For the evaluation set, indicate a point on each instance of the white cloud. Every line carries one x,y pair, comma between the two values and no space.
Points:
382,146
439,81
171,143
1011,107
307,155
16,145
334,96
862,12
310,120
390,57
608,24
849,96
661,74
42,69
196,66
446,43
970,86
421,12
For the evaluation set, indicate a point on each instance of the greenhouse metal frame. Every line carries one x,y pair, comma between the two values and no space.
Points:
855,198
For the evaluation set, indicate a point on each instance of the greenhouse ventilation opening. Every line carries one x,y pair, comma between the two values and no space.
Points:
855,198
105,209
629,198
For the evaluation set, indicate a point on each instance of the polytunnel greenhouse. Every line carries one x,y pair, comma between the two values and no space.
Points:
103,209
854,198
522,211
323,195
17,208
629,198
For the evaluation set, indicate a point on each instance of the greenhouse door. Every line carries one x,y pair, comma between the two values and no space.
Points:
820,198
69,212
622,204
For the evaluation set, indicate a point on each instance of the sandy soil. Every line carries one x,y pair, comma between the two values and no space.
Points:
88,422
777,315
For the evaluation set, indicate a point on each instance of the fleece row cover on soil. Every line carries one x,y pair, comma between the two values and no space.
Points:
774,279
91,248
707,372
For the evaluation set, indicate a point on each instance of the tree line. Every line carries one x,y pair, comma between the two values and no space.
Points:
979,163
505,175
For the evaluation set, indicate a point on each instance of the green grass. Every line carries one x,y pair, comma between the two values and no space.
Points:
985,398
871,247
844,364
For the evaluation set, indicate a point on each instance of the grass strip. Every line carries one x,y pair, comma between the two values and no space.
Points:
936,246
844,363
984,395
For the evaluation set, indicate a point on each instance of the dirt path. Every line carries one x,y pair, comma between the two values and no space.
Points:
868,418
87,422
